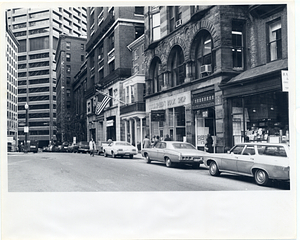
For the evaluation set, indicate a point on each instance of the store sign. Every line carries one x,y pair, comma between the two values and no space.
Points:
285,80
169,102
109,123
203,100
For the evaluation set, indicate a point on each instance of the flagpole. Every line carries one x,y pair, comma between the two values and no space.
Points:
110,96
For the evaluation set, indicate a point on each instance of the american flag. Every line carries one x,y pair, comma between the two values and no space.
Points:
101,105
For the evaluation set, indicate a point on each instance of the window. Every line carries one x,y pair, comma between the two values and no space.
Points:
139,31
68,80
68,45
55,41
21,58
100,52
39,43
139,10
68,69
111,42
110,93
274,41
68,57
101,75
204,55
177,66
22,46
155,26
237,150
111,66
132,93
82,58
155,75
127,94
237,44
174,17
82,46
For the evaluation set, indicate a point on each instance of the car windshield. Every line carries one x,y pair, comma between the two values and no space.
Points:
183,146
122,143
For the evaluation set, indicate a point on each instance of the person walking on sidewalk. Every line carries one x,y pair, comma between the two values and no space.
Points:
92,146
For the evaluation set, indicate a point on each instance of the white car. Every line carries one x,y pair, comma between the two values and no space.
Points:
263,161
119,148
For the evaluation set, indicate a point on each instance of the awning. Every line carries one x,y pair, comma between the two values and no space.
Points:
258,72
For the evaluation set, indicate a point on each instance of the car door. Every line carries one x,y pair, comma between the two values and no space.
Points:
161,151
246,160
152,152
229,161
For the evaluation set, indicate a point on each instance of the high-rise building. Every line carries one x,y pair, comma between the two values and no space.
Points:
37,31
12,89
70,55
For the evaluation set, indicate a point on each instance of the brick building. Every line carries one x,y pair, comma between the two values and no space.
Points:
205,66
110,30
70,55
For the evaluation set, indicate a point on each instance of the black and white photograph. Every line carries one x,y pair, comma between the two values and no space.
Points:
148,120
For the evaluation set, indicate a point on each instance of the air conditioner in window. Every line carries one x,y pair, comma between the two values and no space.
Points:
178,23
205,68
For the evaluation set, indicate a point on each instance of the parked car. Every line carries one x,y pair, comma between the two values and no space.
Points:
63,147
33,146
263,161
46,149
82,147
174,152
71,147
100,146
119,148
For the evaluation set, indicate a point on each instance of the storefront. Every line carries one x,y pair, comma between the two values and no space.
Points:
170,115
203,106
257,108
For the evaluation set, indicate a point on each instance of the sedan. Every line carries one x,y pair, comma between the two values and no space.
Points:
263,161
119,148
82,147
172,152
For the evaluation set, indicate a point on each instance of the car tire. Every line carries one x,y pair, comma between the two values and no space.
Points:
113,155
261,177
104,154
131,156
213,169
168,162
148,160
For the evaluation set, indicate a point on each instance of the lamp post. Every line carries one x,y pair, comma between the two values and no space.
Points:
26,129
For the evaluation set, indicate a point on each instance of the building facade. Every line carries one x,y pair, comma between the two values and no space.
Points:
12,89
110,30
197,58
70,55
37,31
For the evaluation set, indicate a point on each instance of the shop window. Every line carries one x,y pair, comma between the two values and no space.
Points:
204,55
155,26
237,44
174,17
274,41
176,67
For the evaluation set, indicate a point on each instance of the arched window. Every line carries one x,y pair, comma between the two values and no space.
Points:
155,75
176,67
204,55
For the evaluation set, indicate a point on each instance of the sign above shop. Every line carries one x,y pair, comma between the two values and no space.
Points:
158,115
168,101
109,123
203,100
285,80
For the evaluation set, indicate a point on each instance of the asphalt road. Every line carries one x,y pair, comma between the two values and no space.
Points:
71,172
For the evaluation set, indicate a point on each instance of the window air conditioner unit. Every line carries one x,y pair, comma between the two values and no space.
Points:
205,68
178,23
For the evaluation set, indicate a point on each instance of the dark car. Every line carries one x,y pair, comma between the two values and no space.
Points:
81,147
33,146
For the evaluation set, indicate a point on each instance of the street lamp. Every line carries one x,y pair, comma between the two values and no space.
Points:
26,129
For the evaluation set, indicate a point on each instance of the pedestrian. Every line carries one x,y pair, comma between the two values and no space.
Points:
146,142
209,143
92,146
168,138
156,140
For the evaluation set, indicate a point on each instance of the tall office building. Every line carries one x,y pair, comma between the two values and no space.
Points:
12,89
37,31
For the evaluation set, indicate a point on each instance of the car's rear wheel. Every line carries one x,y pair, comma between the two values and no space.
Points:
261,177
131,156
104,154
148,160
213,169
113,155
168,162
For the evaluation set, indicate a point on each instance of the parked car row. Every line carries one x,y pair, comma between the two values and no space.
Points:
263,161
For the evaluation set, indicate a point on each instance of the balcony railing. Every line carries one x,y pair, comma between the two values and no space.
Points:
133,107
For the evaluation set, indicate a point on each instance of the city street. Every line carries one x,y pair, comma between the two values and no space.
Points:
72,172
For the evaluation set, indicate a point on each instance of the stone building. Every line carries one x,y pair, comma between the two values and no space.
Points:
198,57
